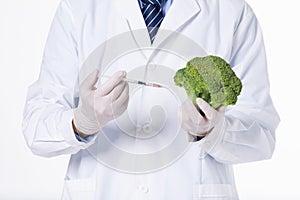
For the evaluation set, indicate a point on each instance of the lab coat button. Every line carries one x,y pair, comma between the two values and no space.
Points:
143,188
147,128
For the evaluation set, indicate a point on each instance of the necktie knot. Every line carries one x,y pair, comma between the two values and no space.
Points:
153,2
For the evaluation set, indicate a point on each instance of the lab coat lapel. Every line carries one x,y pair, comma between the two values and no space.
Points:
178,16
135,21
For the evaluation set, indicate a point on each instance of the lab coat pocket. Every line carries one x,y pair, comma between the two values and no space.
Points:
79,189
214,192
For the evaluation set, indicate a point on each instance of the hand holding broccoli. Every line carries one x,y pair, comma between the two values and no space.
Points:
198,124
211,84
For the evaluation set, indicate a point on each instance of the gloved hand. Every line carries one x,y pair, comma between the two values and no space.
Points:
198,124
100,105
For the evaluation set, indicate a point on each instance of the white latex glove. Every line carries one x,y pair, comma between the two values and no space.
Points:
100,105
197,124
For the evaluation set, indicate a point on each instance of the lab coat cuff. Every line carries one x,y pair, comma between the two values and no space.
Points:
211,142
68,133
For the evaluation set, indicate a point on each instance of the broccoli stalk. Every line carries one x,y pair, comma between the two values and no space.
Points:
210,78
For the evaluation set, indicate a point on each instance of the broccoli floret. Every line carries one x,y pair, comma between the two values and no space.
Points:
210,78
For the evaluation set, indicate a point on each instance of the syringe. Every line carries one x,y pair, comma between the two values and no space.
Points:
133,81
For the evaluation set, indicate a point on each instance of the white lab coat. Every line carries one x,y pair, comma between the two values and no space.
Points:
203,171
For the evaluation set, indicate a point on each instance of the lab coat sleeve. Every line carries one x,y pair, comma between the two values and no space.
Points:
247,130
51,99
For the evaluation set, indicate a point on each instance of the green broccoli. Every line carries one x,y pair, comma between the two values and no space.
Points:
210,78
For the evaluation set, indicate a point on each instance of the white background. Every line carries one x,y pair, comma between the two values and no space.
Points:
24,25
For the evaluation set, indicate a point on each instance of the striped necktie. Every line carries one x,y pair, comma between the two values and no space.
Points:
153,15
